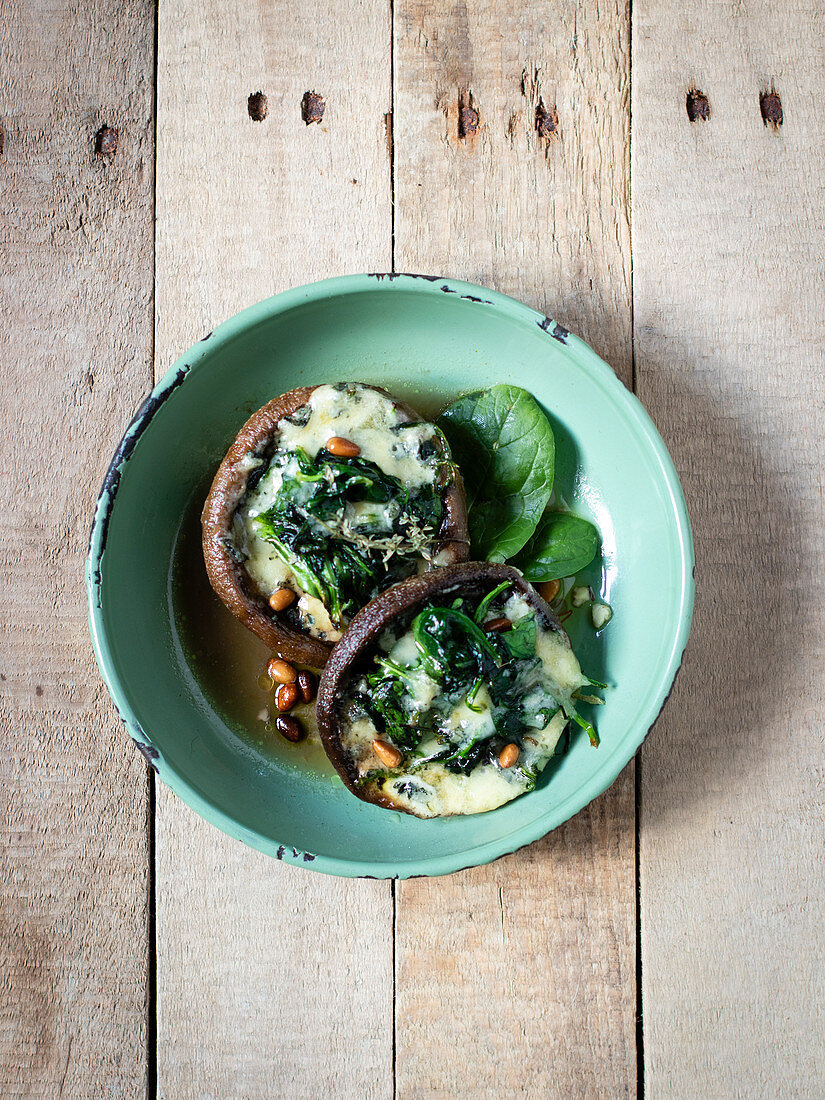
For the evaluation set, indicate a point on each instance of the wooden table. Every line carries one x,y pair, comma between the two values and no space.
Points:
624,173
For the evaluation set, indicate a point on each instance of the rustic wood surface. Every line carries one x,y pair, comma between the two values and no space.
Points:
76,353
255,997
490,142
729,327
542,937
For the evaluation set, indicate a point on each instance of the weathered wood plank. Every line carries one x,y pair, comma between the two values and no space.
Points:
538,994
543,218
75,345
728,291
255,997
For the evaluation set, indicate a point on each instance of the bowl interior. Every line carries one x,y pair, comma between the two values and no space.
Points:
426,346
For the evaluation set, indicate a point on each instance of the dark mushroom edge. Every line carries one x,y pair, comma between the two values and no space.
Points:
450,692
315,490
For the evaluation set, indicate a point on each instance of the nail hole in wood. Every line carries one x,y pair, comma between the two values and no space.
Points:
697,105
312,107
258,106
547,122
771,107
468,116
106,141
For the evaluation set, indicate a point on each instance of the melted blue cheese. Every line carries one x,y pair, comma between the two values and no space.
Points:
432,791
426,788
560,670
370,419
365,417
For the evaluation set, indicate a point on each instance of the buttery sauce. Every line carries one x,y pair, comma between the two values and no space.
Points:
229,661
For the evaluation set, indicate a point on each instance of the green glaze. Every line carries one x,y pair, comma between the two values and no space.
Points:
426,340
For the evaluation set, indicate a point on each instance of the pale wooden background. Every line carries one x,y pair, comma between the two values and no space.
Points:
670,938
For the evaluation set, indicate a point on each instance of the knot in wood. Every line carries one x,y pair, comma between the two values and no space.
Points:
547,122
312,107
468,119
106,141
697,106
771,107
258,106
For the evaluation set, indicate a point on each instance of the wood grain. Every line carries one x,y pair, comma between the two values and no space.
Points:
519,978
543,218
75,344
728,291
255,997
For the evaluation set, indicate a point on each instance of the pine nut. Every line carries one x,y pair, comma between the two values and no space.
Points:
281,598
287,696
290,728
281,672
387,754
548,590
498,626
508,755
343,448
307,686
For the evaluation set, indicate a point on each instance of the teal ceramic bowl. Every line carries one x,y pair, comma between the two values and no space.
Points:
426,340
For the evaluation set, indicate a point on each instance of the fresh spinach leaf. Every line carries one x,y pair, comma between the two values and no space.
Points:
562,545
504,446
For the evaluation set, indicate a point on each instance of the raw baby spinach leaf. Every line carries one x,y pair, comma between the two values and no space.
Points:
561,546
504,446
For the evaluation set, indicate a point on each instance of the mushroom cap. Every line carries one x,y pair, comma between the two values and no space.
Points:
228,576
354,652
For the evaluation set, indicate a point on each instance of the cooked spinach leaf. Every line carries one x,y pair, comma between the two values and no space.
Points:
561,546
384,705
481,610
588,727
504,446
463,659
521,640
346,529
452,646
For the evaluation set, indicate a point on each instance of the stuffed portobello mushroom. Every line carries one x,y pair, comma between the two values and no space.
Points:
328,495
450,692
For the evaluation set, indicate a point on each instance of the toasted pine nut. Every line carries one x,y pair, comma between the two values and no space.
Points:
387,754
498,626
281,672
290,728
281,598
508,755
307,686
287,696
548,590
343,448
